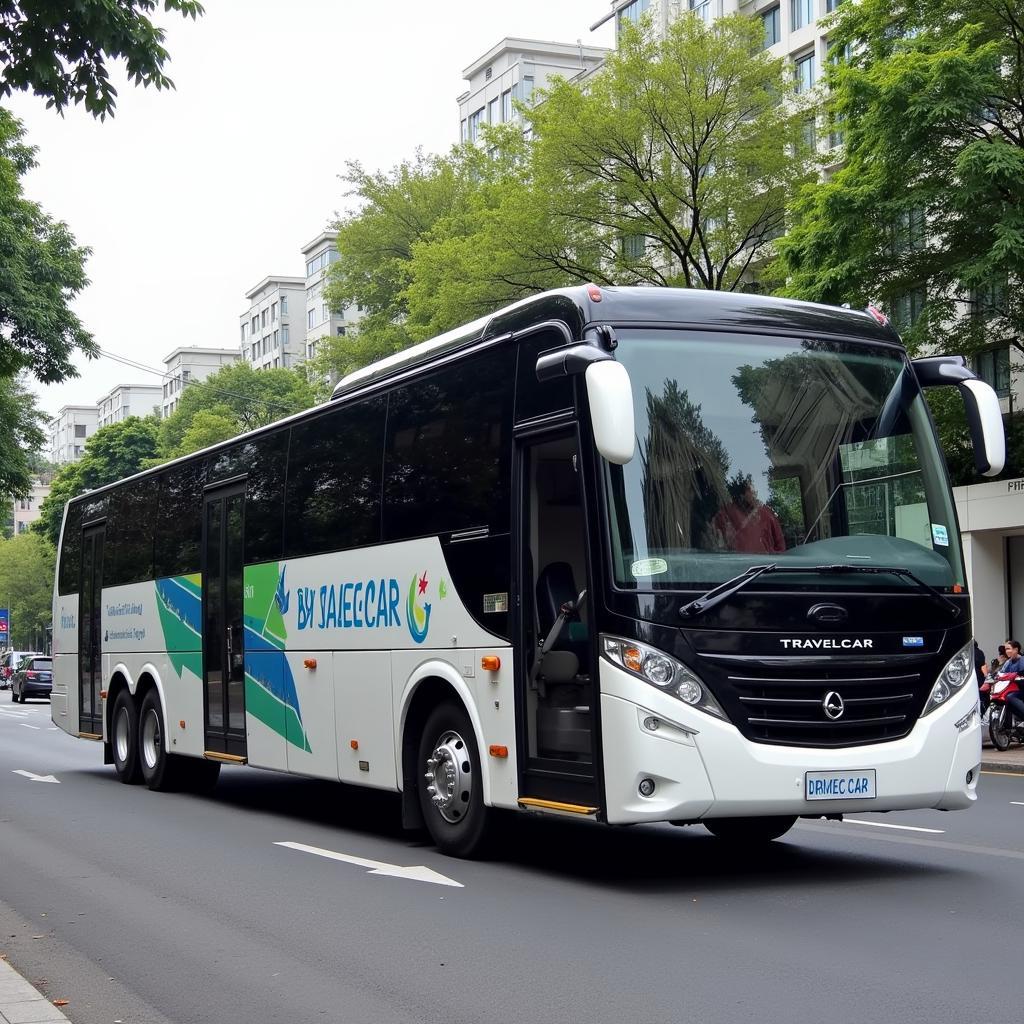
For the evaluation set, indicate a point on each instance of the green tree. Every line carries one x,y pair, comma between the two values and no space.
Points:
112,453
233,400
26,586
42,270
927,213
672,166
20,454
61,50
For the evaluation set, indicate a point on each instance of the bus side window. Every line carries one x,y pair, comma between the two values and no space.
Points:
71,552
447,464
129,557
532,397
334,480
179,528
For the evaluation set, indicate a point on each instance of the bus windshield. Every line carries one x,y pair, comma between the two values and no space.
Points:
759,450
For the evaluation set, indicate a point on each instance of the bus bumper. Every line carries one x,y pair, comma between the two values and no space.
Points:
703,767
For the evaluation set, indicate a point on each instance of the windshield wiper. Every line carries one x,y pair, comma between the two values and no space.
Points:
725,590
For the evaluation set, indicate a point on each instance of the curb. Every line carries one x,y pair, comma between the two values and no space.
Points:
19,1001
1013,767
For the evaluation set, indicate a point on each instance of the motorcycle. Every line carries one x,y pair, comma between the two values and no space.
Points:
1003,725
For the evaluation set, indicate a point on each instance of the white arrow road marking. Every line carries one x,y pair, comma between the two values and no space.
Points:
25,725
419,873
32,777
905,828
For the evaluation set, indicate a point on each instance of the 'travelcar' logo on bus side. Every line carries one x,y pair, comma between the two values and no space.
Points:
826,643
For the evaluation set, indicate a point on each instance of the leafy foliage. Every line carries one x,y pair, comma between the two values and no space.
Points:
61,50
41,270
231,401
23,438
26,582
112,453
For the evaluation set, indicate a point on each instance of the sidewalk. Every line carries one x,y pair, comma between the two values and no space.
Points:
1011,760
20,1003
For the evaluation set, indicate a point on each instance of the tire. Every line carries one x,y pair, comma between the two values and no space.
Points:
448,766
124,739
998,733
749,830
154,761
14,696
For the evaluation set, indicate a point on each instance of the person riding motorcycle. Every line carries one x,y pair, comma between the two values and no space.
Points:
1015,701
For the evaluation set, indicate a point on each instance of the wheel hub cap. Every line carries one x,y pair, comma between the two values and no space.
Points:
151,739
121,736
449,778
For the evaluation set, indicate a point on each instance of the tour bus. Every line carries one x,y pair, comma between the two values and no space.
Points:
621,554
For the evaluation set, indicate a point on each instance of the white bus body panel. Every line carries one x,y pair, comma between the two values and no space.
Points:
704,767
64,696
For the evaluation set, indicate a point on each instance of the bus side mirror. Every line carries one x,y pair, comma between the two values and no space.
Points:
984,417
611,410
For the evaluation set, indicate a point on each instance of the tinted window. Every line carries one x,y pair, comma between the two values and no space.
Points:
40,664
179,524
532,397
262,461
448,458
130,534
334,479
71,551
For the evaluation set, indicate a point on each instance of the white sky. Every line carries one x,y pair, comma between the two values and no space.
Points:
188,198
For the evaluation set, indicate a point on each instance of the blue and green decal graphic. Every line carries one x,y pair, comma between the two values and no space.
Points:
179,600
270,694
418,616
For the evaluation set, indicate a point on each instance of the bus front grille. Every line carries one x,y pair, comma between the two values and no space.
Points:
826,709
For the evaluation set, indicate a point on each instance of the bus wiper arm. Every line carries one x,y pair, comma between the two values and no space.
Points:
724,590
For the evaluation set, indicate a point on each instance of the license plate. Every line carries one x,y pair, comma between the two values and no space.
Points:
848,785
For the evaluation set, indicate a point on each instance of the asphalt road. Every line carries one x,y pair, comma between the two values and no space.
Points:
149,907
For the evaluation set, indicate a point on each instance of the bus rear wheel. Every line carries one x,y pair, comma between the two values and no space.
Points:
749,830
125,743
450,783
153,757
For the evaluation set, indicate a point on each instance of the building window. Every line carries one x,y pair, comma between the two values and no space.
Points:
492,111
277,339
506,105
634,246
326,313
79,430
255,325
804,73
633,12
908,233
475,120
770,20
837,133
832,5
263,318
993,367
277,363
341,332
702,8
907,308
284,305
801,13
273,312
464,134
809,131
311,317
284,334
243,332
255,351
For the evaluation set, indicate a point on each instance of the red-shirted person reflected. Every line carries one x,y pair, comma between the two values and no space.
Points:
746,524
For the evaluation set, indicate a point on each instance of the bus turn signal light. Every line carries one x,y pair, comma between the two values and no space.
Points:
490,663
310,663
103,694
497,750
354,744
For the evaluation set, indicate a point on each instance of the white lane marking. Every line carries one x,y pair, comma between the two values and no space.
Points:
1017,803
32,777
25,725
905,828
419,873
13,714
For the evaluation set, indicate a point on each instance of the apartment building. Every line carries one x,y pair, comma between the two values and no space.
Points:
126,400
513,70
25,511
273,331
321,321
69,430
188,364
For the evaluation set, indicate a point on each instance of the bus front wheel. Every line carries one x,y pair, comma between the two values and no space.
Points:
749,830
450,783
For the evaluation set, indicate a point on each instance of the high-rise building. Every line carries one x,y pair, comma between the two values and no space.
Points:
126,400
321,321
26,510
185,366
273,330
515,69
69,430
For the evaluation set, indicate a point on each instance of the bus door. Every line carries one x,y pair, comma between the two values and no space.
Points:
223,661
90,637
557,680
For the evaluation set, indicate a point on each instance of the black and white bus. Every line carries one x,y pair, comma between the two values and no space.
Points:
628,554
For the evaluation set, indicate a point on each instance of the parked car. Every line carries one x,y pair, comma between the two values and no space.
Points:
9,662
33,678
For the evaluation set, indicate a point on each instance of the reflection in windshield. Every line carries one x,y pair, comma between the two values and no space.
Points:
756,449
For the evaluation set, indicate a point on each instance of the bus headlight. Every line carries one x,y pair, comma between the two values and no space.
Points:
958,671
661,671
